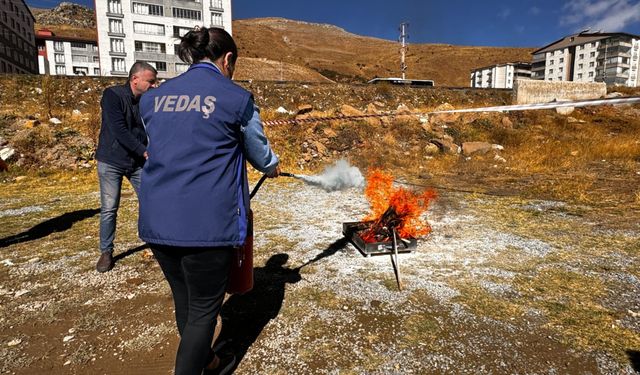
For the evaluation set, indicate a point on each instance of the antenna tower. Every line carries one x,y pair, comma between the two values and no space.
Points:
403,49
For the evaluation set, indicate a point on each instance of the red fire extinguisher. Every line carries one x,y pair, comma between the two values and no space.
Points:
241,272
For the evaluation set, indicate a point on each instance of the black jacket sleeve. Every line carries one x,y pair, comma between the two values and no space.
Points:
114,117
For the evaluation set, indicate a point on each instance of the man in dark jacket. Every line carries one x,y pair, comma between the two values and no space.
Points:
122,150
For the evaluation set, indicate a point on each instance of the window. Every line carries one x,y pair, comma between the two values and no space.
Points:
590,74
181,68
61,70
160,66
561,60
593,44
581,56
180,31
216,19
115,26
78,45
581,47
216,4
58,58
80,58
592,54
550,62
148,9
580,66
560,69
187,14
150,47
117,65
148,28
591,64
96,71
96,59
117,45
114,6
58,46
80,71
550,71
579,75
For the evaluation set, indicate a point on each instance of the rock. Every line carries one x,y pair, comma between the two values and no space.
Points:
67,338
76,115
282,110
573,120
446,145
565,110
614,95
431,149
14,342
469,148
322,149
497,147
379,104
499,158
507,123
20,178
348,110
38,90
55,121
372,109
7,153
444,117
304,108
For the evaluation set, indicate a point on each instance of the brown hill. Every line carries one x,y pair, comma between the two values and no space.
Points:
343,56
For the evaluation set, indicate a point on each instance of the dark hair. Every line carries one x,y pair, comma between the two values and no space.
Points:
208,43
140,66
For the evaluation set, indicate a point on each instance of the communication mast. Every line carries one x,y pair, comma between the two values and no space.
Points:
403,49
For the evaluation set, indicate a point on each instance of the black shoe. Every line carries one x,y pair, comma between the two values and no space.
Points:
225,366
105,262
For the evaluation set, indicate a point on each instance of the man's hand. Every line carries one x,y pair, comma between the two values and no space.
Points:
146,155
275,173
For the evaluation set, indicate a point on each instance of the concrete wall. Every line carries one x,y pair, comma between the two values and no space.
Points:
534,91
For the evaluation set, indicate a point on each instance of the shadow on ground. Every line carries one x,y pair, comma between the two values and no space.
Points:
245,316
634,358
57,224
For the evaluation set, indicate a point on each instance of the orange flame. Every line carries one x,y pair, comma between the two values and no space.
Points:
407,205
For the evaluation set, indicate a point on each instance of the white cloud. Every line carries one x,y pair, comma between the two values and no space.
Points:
607,15
504,13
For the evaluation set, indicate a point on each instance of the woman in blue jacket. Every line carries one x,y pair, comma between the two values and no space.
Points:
194,193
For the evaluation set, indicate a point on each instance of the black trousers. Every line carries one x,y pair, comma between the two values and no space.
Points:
198,279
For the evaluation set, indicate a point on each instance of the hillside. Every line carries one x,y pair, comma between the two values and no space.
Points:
293,50
343,56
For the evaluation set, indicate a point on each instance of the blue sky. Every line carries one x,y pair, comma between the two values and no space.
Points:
520,23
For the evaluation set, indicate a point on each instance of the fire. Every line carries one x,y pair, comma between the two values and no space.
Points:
397,208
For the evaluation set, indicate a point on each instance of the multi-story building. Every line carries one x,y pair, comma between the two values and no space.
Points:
67,56
500,76
18,52
612,58
149,30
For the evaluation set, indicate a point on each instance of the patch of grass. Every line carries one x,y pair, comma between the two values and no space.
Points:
570,302
483,303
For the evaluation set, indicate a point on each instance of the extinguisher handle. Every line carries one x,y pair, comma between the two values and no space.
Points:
257,187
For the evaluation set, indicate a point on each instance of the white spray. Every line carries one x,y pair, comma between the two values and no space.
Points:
339,176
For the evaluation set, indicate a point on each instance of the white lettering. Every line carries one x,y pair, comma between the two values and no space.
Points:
182,103
195,104
170,103
159,100
209,106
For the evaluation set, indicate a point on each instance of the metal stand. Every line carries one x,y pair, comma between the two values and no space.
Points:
394,259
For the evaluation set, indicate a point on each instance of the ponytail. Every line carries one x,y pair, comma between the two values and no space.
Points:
203,42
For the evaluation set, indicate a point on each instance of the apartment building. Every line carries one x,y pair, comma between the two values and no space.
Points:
67,56
612,58
17,40
500,76
148,30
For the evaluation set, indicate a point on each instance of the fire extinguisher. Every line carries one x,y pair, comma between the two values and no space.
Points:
241,272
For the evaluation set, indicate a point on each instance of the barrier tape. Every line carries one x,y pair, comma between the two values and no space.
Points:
504,108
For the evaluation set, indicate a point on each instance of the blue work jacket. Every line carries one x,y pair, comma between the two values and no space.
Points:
202,128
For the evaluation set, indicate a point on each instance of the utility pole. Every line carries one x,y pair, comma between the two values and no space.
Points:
403,49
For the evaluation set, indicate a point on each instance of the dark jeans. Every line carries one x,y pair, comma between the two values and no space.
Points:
110,178
198,280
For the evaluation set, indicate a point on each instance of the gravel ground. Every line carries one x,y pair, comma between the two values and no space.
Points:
472,299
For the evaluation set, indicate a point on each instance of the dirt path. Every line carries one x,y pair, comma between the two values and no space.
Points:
502,285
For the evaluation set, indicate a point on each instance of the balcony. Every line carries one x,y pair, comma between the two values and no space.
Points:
116,34
614,43
115,15
150,56
117,54
539,57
